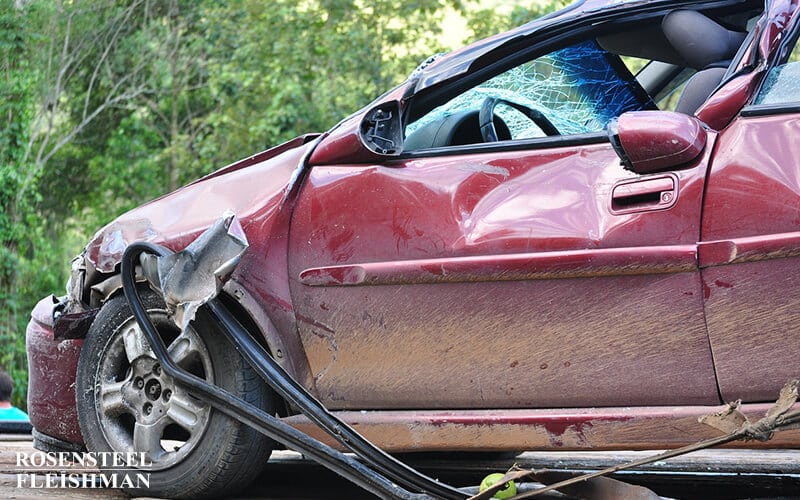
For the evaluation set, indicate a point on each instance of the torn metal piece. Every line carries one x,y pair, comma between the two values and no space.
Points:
190,278
75,286
74,325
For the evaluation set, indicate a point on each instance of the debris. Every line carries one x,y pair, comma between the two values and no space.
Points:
508,489
190,278
730,420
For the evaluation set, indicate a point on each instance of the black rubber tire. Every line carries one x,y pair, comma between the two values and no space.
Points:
229,455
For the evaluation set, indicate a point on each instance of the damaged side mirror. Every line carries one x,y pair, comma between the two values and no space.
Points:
370,137
655,141
382,130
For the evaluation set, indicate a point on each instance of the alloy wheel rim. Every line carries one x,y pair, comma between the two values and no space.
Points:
140,408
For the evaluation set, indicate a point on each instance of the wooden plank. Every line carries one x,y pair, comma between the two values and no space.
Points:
712,461
9,489
16,437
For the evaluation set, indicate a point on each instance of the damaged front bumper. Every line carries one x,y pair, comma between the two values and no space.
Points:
52,368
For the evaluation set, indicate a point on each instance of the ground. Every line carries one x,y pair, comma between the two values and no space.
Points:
725,474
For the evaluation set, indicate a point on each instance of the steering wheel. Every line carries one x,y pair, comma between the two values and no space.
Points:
486,118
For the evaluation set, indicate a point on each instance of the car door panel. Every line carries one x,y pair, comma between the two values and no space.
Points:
750,255
498,280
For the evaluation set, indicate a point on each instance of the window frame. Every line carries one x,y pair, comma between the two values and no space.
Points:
783,53
419,104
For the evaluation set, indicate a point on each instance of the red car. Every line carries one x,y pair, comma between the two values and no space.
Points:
523,246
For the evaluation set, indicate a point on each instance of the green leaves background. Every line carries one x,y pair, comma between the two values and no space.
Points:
105,104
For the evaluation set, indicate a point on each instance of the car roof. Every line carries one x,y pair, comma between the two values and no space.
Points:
447,66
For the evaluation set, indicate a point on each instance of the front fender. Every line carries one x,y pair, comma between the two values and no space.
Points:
261,191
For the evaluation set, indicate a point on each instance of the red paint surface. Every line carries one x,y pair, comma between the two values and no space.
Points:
720,108
656,141
51,377
261,194
543,265
503,256
620,428
751,221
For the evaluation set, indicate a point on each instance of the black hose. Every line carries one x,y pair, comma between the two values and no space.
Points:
244,412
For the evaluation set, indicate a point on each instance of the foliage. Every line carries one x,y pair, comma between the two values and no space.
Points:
484,22
105,104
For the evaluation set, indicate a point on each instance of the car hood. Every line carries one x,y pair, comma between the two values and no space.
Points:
251,188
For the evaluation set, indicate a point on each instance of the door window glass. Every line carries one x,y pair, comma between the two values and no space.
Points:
578,89
783,82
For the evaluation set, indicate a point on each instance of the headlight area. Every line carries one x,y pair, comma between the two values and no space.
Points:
54,338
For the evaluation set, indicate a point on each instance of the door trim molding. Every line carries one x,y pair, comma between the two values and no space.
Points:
593,263
749,249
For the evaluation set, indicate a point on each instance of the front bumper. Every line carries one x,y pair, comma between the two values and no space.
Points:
52,365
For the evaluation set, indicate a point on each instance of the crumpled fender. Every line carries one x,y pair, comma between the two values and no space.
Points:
253,188
261,191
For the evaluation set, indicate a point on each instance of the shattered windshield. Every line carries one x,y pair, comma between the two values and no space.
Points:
578,89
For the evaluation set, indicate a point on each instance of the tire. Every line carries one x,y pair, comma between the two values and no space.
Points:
127,404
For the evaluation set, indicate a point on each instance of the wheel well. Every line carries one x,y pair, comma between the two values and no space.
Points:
241,315
244,318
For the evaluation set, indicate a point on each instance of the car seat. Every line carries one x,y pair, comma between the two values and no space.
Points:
707,47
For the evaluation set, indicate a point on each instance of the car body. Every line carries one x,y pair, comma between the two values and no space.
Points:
444,289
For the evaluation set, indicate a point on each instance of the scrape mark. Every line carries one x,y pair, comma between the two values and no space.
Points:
556,430
333,348
483,168
314,323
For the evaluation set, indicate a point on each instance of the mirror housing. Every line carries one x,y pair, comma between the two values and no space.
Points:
373,136
655,141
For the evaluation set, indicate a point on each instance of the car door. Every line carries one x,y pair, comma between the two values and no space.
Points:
534,271
750,252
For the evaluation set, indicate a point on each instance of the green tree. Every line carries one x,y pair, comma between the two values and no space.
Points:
484,22
108,103
16,102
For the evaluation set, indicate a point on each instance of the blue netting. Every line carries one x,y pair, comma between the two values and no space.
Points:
577,88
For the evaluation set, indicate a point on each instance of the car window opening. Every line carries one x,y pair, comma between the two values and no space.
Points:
679,60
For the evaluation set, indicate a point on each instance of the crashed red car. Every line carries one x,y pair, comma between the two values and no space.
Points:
524,246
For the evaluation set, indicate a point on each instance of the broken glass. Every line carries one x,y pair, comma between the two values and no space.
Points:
579,89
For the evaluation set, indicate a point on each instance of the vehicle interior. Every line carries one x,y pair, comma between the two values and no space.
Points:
674,61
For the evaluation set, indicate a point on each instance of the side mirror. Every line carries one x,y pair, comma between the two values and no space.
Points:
382,130
656,141
370,136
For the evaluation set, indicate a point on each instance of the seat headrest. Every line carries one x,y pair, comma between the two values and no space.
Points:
699,40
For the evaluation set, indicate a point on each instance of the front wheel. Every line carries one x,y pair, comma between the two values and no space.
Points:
127,404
